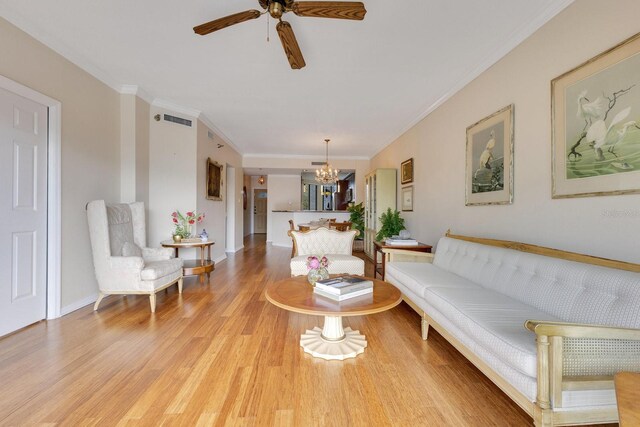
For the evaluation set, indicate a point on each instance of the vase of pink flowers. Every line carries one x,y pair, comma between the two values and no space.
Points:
317,269
184,223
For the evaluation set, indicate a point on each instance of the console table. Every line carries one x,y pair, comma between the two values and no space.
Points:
379,246
194,267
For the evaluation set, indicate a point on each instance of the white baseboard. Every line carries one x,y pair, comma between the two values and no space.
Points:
234,250
220,259
78,304
281,246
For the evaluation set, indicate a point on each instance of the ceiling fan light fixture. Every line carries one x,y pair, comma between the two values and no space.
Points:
276,9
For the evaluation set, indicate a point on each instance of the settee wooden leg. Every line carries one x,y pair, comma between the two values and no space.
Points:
542,417
425,329
100,296
180,285
152,301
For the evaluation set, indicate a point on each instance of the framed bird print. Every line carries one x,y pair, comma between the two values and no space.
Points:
595,114
489,166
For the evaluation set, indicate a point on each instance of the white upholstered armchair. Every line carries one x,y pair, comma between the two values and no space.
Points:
337,246
123,263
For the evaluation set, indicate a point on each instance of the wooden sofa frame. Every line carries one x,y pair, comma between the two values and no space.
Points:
549,337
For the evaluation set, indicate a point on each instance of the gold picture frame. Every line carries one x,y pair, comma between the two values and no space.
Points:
595,122
489,160
406,171
214,180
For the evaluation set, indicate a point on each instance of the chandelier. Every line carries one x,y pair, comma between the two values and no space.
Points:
326,175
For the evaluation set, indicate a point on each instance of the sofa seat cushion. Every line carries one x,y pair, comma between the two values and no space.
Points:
156,269
418,276
338,264
495,321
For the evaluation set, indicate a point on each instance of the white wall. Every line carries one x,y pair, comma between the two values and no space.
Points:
284,194
437,144
90,147
172,174
216,211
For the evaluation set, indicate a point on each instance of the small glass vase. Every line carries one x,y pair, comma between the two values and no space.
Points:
316,274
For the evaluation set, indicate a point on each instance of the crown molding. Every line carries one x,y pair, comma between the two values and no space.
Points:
301,157
59,47
208,123
137,91
169,105
519,35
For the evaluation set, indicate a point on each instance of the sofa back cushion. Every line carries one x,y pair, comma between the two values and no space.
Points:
572,291
324,241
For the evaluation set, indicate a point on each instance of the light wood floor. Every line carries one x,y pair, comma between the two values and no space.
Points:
222,355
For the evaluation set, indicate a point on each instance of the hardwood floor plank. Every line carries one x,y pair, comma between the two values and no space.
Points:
221,355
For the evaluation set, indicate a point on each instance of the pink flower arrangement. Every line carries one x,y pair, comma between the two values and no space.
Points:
184,222
313,263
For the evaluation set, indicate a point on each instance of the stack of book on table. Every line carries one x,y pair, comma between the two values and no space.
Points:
398,241
343,287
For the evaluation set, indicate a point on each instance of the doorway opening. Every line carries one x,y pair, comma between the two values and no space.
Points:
230,214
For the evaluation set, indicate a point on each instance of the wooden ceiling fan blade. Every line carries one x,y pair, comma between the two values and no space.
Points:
290,45
225,22
330,9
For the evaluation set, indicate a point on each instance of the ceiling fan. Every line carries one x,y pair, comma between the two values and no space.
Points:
276,8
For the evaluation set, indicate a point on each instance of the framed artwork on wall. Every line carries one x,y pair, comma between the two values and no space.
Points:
407,198
595,121
244,197
489,160
406,172
214,180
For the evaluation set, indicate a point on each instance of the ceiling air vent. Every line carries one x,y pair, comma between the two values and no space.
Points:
178,120
317,163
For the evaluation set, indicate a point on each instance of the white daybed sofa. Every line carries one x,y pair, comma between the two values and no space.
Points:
528,321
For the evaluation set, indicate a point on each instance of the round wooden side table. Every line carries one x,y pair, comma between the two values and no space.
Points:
194,267
332,342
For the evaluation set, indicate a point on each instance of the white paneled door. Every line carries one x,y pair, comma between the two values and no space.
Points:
23,212
260,211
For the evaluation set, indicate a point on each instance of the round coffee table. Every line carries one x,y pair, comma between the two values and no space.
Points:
332,342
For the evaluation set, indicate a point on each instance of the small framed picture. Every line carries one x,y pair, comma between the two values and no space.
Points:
406,172
407,198
489,169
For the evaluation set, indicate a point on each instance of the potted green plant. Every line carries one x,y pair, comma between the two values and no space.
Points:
356,218
392,224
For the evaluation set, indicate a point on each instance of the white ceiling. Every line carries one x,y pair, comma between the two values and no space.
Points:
366,82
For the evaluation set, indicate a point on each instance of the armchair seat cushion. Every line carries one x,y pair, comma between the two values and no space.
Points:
338,264
154,270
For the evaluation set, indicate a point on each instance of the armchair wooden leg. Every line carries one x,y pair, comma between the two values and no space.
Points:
180,281
425,329
152,301
100,297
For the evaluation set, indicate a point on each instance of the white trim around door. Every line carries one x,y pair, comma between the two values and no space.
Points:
54,220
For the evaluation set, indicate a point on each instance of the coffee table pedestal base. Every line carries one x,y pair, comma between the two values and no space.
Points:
333,342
